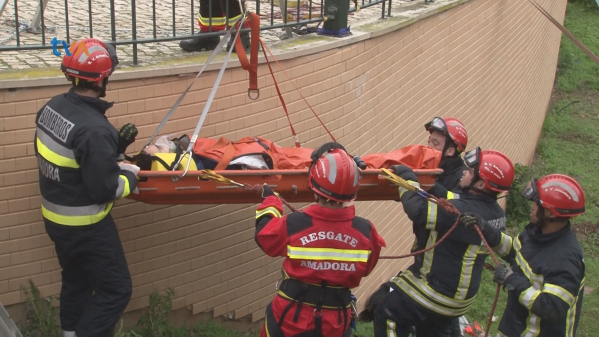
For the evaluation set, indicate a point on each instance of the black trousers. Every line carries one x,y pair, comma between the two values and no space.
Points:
398,313
96,284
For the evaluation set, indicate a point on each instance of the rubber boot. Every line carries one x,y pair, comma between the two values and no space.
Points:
200,43
245,41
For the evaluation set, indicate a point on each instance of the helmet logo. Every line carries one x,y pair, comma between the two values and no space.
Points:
494,170
562,188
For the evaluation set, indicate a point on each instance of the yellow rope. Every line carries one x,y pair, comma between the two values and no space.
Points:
397,180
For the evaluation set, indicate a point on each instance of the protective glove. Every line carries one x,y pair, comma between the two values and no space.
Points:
129,167
267,191
404,172
501,274
471,220
127,134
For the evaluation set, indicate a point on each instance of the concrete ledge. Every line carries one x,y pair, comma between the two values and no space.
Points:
190,66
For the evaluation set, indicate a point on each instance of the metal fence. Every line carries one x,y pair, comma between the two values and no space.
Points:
33,24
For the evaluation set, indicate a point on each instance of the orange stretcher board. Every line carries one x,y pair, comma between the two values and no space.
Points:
163,188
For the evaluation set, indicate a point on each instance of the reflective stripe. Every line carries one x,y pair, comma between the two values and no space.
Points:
533,326
54,157
216,21
233,19
390,328
559,292
74,215
268,210
123,190
332,167
571,316
403,190
466,273
332,254
428,256
428,302
53,145
528,297
505,246
423,285
431,216
535,279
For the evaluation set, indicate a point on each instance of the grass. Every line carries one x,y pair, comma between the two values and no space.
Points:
569,144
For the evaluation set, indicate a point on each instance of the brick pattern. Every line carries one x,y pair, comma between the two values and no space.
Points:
489,63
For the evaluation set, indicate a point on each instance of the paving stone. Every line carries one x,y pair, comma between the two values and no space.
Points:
148,53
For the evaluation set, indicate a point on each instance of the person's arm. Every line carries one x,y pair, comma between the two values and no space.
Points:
271,228
501,243
558,294
95,151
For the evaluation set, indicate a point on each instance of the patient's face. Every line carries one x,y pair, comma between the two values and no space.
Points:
151,149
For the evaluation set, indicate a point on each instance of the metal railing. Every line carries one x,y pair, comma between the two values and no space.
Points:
32,24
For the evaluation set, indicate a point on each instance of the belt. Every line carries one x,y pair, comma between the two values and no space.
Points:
332,297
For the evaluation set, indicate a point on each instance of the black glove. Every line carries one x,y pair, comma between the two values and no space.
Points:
404,172
501,274
127,134
267,192
471,220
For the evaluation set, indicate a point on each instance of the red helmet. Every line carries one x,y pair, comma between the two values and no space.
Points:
90,60
558,193
335,176
492,167
452,128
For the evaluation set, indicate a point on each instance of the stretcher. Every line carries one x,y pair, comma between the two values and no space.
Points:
165,188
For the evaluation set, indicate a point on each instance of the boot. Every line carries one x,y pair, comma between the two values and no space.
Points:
200,43
245,41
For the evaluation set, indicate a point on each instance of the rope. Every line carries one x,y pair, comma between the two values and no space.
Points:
451,209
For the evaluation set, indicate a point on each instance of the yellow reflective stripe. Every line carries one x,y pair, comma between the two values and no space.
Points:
505,245
431,216
427,302
533,326
391,328
450,195
266,325
268,210
571,316
466,274
232,20
424,287
559,292
403,190
536,279
428,256
303,253
54,157
528,297
75,220
123,190
216,21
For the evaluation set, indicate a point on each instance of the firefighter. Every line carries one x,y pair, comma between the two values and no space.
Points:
442,283
213,18
327,250
545,279
449,136
79,179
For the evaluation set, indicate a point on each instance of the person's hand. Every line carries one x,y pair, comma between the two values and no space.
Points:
502,272
127,134
267,191
472,220
129,167
404,172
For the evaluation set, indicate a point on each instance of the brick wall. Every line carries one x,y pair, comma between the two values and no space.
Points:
489,63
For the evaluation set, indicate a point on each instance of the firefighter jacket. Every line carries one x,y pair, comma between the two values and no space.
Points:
446,279
327,252
453,169
546,289
75,146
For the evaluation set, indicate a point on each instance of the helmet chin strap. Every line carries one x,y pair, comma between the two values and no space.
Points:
103,90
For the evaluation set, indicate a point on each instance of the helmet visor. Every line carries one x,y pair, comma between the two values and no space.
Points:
437,124
472,158
530,191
